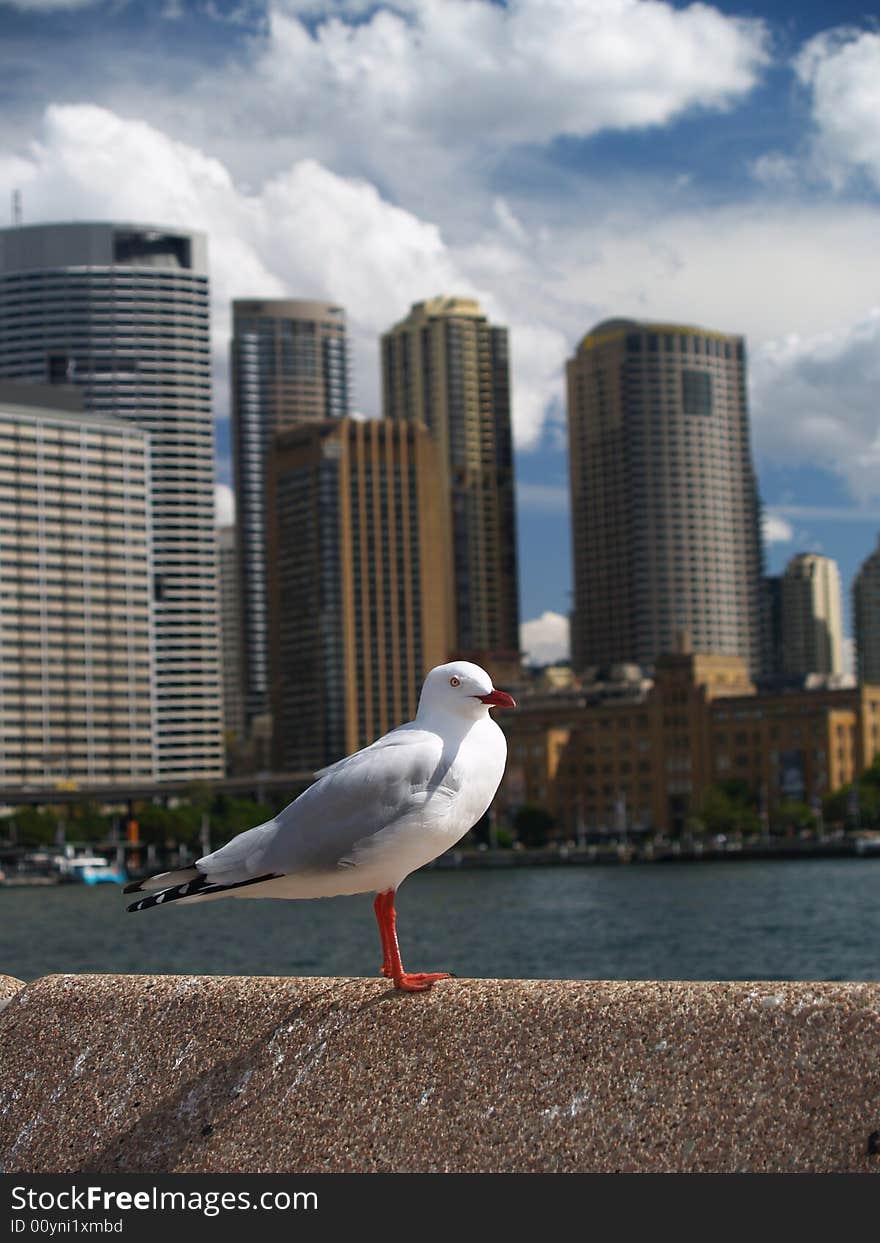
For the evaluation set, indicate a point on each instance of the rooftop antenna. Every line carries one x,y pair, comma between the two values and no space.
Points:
16,208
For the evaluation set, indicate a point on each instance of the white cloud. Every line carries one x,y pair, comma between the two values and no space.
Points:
224,505
842,70
523,72
754,268
775,170
816,401
544,497
49,6
545,640
777,530
424,96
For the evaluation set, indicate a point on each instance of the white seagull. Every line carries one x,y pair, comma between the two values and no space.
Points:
370,819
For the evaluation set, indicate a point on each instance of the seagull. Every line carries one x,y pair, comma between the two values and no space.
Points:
369,819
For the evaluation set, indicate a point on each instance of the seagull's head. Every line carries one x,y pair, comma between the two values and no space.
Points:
461,689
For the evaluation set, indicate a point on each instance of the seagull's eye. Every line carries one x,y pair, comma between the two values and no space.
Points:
455,681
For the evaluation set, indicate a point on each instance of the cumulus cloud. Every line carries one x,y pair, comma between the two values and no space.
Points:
775,170
752,268
545,640
815,400
841,68
777,530
307,232
425,96
522,72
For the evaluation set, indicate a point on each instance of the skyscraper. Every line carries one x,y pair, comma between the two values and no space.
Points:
289,366
230,633
358,553
772,666
446,366
665,510
121,311
812,631
76,643
866,617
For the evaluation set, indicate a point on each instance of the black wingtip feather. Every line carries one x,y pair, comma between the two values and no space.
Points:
188,889
199,887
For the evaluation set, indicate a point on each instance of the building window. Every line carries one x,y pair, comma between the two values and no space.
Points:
696,392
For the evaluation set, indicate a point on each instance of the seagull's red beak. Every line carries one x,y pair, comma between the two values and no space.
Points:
497,699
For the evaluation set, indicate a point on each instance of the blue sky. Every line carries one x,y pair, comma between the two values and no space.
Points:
562,160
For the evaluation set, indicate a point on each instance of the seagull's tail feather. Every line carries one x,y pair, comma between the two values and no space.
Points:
163,880
199,889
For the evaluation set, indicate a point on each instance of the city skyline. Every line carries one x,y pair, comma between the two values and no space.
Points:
407,149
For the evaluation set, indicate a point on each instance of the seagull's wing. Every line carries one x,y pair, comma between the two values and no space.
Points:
327,826
403,736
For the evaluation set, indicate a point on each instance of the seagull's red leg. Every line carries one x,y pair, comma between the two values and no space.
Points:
407,981
379,908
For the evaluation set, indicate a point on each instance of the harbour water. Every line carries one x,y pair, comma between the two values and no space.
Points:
749,920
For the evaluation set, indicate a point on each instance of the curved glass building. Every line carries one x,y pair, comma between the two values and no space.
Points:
665,511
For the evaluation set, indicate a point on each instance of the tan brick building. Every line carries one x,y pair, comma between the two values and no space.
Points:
358,559
648,761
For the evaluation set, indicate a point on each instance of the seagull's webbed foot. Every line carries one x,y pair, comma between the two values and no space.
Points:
419,981
392,967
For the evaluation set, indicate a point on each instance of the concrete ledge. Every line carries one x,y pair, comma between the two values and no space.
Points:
149,1074
9,986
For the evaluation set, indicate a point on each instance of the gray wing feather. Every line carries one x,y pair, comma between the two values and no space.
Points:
350,802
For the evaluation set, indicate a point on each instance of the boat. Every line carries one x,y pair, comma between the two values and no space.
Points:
37,868
88,870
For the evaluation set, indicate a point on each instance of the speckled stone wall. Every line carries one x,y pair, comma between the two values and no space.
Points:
9,986
150,1074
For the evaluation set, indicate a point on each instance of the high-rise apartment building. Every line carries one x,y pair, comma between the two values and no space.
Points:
121,312
230,633
289,361
772,668
812,629
76,650
665,511
447,367
358,552
866,617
